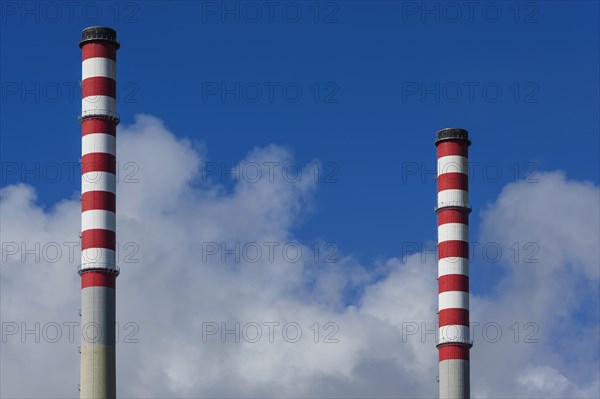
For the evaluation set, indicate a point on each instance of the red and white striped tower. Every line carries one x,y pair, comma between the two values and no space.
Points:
453,211
98,267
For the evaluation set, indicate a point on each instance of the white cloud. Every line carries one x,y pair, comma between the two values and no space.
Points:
546,290
552,383
173,290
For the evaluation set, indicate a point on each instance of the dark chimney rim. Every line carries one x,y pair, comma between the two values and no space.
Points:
99,33
452,133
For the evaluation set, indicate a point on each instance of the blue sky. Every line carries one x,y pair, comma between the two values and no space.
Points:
378,58
377,80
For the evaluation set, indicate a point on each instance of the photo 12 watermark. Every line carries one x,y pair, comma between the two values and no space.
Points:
470,92
270,12
490,332
64,172
268,252
69,92
63,252
269,92
526,252
478,172
70,12
52,332
470,12
253,332
269,171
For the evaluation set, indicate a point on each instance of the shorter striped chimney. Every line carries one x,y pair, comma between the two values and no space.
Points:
452,212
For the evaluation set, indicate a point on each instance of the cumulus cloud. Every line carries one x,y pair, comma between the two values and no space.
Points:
548,302
357,321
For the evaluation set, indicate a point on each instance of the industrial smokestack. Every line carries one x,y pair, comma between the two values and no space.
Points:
98,267
452,212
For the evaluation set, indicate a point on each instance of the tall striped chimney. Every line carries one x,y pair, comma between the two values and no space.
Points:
98,267
452,212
